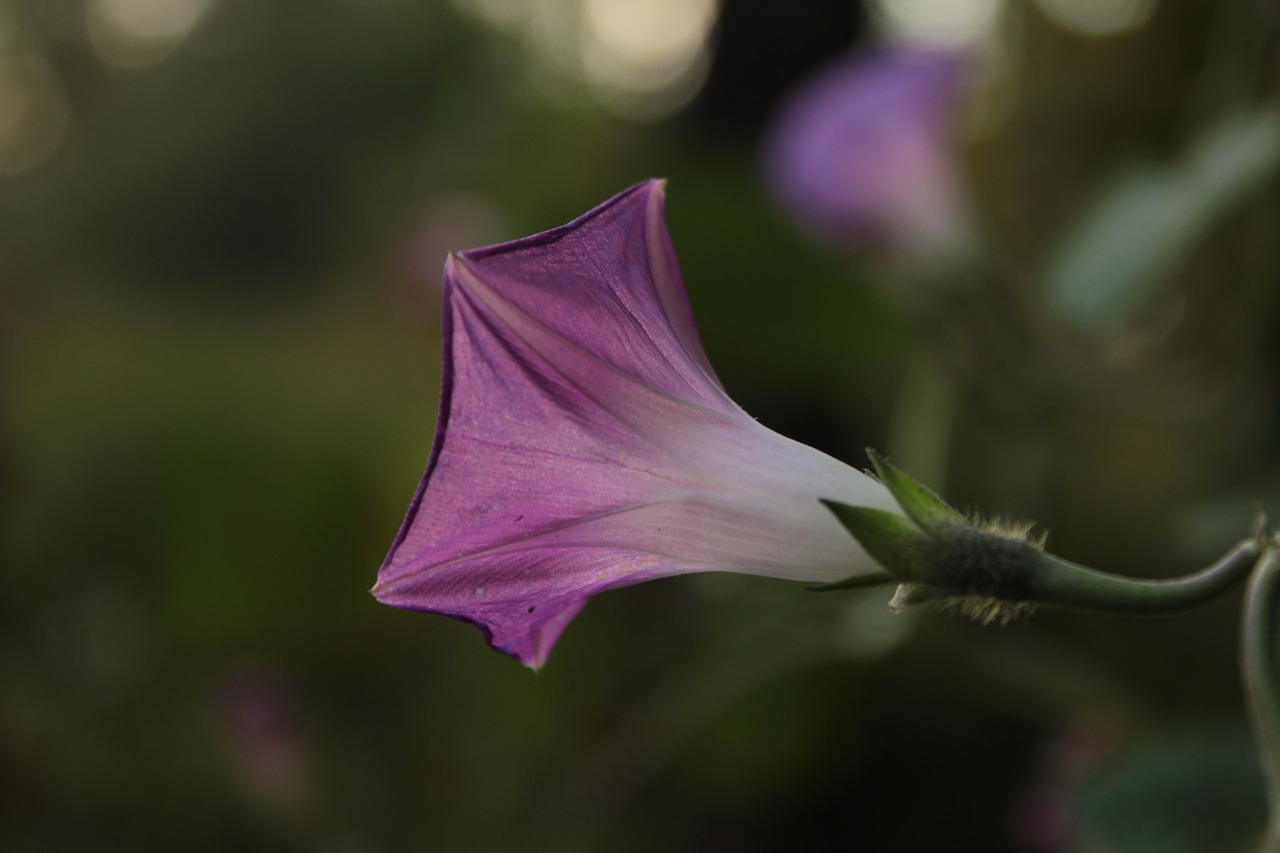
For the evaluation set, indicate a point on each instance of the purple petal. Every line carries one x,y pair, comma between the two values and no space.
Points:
862,154
585,443
608,282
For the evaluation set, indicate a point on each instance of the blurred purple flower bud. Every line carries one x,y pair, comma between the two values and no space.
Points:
863,155
585,443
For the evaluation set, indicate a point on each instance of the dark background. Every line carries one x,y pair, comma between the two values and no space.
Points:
220,244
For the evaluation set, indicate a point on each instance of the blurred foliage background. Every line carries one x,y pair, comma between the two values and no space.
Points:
221,229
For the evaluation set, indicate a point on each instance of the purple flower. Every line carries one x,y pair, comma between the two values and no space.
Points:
585,443
862,154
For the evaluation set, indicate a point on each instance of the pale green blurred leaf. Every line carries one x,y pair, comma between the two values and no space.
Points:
1134,234
1191,794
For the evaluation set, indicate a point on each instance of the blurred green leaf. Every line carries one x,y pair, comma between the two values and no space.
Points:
1202,791
1133,235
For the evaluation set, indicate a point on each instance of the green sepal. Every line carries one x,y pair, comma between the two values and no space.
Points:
893,540
921,504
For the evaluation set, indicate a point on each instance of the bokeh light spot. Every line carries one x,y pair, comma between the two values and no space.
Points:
34,111
657,38
946,23
646,58
1098,17
132,33
640,59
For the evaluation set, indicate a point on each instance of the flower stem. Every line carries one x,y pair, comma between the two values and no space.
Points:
1258,663
1060,583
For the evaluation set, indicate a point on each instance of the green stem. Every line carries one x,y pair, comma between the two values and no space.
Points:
1059,583
1258,651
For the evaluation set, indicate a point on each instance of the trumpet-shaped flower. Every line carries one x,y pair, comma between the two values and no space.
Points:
584,443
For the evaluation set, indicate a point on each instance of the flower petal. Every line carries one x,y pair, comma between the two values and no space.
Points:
608,282
584,443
